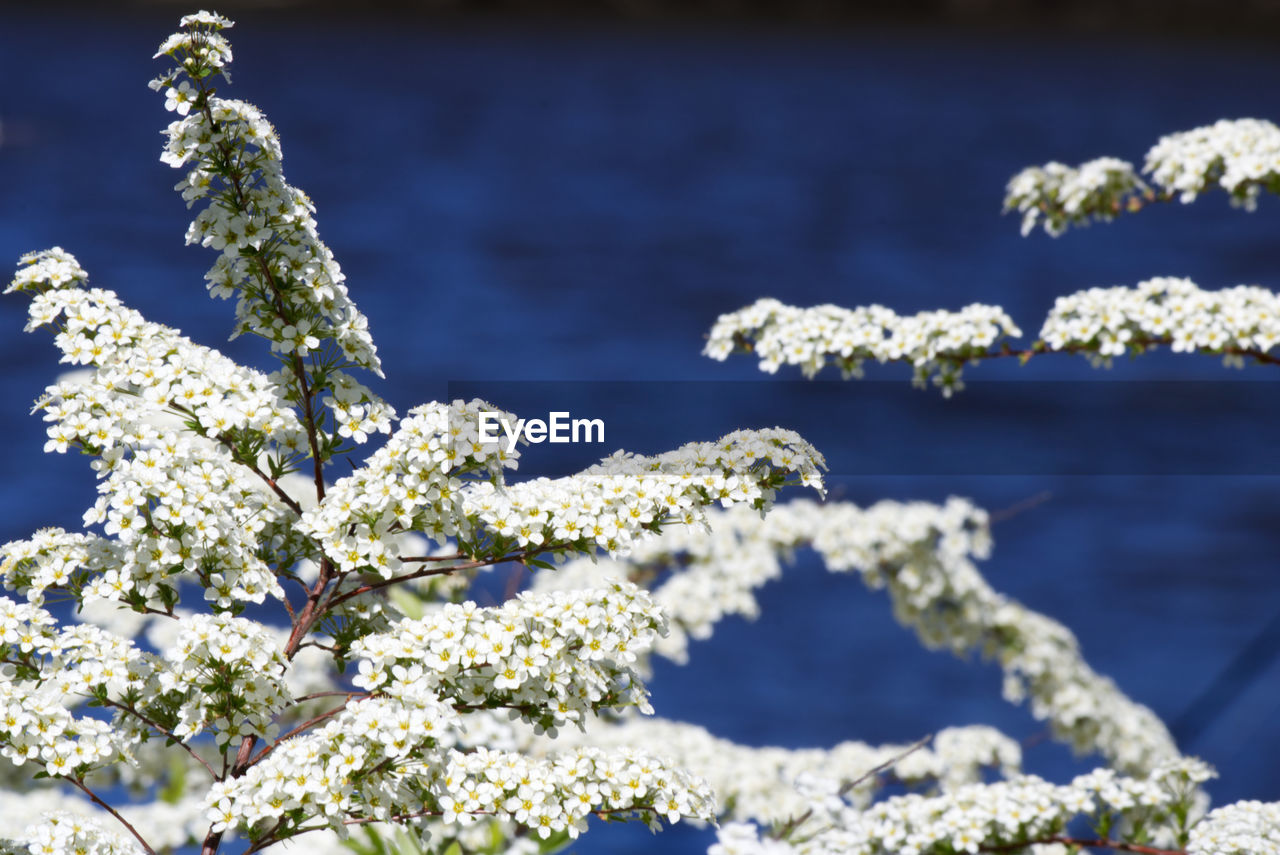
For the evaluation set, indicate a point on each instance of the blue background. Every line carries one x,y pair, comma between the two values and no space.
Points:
538,201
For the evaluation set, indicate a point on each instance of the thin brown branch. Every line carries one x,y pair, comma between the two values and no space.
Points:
1040,347
791,825
109,809
168,734
266,839
335,598
419,559
1008,513
886,765
1118,845
309,723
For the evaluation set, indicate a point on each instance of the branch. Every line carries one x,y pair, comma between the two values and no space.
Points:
792,824
109,809
1040,347
226,443
335,598
168,734
1118,845
309,722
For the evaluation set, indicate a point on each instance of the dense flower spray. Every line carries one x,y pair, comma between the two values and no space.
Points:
214,485
381,708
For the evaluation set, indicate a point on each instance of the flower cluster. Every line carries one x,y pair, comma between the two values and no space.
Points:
413,483
1105,322
63,832
937,343
550,658
1243,828
67,823
558,793
390,758
177,428
1064,195
291,290
1006,815
43,668
359,761
229,676
765,784
615,503
923,554
151,362
1241,156
1099,322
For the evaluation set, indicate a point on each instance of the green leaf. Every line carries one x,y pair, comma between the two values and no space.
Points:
177,783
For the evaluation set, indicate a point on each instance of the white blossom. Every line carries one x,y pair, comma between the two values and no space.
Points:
937,343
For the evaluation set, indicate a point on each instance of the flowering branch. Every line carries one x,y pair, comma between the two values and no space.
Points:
1100,323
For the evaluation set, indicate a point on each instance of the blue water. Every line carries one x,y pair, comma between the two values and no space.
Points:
539,202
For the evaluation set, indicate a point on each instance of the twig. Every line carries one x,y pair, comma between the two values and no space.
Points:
792,824
1019,507
109,809
168,734
1118,845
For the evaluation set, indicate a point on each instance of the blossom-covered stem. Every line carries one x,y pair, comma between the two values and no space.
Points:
301,624
249,464
299,370
1005,351
168,734
93,797
1080,843
335,598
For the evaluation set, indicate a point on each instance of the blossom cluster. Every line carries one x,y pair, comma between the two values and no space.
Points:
291,290
1241,156
923,554
766,785
617,502
222,673
390,758
1243,828
413,483
229,674
64,832
172,424
550,658
1007,815
47,821
1063,195
1105,322
936,343
358,761
1099,322
42,667
160,368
